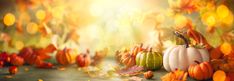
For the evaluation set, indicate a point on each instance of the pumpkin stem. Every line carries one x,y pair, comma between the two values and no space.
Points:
182,37
197,62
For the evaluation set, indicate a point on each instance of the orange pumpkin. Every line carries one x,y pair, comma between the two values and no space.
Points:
66,56
16,60
200,71
83,59
128,57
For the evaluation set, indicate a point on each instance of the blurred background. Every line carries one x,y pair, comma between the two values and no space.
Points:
109,24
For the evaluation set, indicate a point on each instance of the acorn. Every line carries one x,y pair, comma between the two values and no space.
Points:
148,74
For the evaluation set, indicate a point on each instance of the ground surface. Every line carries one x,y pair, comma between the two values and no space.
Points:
69,74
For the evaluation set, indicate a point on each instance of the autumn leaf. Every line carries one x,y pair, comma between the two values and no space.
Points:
187,6
134,70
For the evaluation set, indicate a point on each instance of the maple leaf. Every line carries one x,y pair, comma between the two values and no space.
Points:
188,6
134,70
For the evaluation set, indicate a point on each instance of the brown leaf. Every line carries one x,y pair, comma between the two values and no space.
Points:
8,76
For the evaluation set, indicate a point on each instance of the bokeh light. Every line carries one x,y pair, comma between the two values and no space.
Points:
32,28
9,19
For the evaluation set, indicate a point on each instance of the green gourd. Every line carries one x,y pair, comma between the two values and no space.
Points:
149,60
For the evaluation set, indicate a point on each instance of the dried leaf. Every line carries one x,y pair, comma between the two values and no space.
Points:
134,78
175,76
134,70
61,68
188,6
8,76
26,69
99,56
39,80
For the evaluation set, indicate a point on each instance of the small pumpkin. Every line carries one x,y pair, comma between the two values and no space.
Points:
119,53
128,57
66,56
149,59
200,71
181,56
16,60
83,59
135,50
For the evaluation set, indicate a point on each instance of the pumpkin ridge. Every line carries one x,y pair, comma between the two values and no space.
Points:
166,58
209,68
175,62
206,71
198,72
185,55
160,60
69,58
64,58
154,58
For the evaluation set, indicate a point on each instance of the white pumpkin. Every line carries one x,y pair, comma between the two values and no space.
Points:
181,56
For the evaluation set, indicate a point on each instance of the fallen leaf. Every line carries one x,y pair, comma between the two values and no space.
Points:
26,69
134,70
134,78
61,68
39,80
8,76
